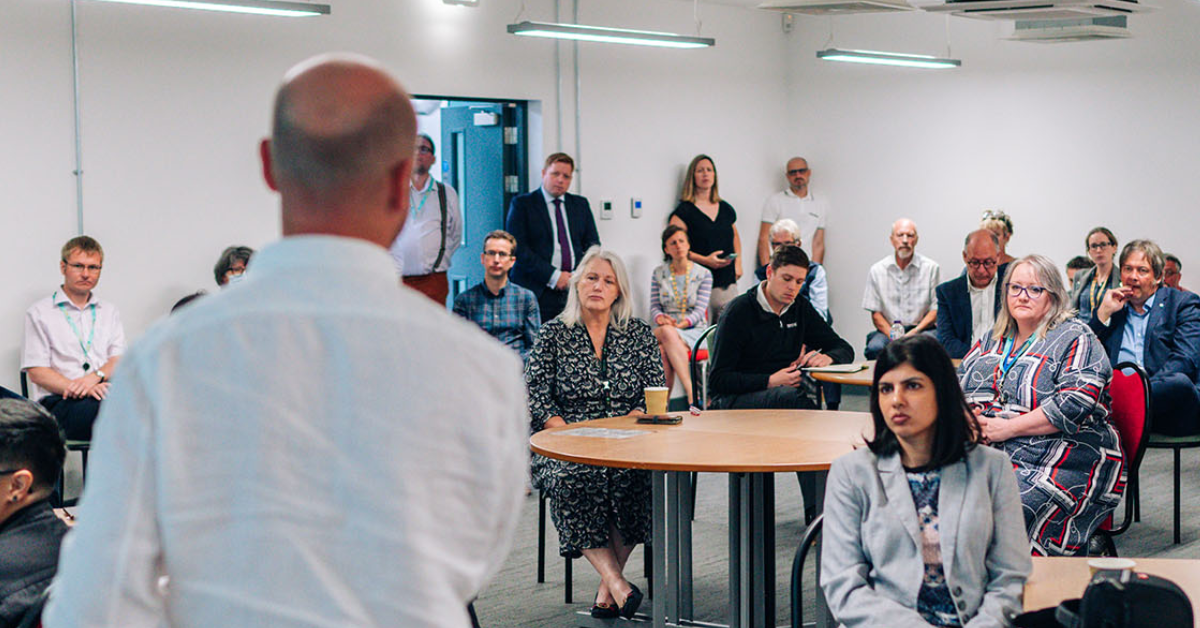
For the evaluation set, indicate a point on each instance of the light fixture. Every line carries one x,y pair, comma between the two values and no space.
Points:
609,35
282,8
465,3
888,58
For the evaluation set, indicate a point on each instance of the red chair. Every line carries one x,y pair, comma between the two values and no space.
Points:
1130,392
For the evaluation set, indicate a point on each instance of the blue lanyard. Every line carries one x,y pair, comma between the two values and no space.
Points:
424,197
1009,357
79,336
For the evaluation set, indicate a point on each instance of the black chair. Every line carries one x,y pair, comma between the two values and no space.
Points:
1176,444
698,359
810,539
541,561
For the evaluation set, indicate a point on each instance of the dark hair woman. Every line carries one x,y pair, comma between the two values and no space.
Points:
959,553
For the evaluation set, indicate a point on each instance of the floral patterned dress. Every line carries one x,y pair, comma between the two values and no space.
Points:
1072,479
566,379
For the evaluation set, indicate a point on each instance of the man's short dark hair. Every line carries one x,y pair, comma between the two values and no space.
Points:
85,244
31,439
1169,257
500,234
789,256
1079,262
228,257
425,136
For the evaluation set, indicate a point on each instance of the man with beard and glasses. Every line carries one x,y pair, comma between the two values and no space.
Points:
433,230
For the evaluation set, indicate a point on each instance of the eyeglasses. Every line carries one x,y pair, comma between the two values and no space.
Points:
498,254
425,149
9,471
981,263
1033,292
1140,271
776,245
95,268
795,171
1099,246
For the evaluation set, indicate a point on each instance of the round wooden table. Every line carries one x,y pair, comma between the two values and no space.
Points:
750,445
1055,579
863,377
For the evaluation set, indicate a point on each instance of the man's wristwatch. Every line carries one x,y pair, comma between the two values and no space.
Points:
102,375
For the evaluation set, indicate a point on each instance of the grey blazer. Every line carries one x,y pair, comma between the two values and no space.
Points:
871,565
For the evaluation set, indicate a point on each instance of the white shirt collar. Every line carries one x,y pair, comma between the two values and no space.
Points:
766,305
971,287
325,252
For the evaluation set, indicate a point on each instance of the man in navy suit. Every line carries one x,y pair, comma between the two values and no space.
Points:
553,230
1157,327
968,304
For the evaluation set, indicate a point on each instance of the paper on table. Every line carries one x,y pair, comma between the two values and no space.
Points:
837,368
604,432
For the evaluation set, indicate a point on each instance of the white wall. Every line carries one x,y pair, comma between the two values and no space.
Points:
1063,137
174,103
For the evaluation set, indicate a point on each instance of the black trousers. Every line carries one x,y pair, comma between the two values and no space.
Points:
75,416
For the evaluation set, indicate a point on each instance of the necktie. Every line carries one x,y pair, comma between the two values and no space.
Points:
564,243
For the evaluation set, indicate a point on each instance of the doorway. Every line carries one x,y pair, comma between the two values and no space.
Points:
482,155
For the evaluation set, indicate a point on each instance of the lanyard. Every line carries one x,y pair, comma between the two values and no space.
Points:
681,296
1098,290
1009,357
79,336
424,197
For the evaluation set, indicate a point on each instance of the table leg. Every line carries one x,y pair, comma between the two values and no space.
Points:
674,515
659,546
686,508
823,616
736,566
762,487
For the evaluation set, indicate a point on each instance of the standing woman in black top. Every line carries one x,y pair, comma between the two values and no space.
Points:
710,223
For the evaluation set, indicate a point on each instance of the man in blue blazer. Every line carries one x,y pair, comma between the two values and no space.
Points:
1157,327
553,230
959,324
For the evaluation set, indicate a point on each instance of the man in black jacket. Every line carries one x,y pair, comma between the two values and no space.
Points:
766,336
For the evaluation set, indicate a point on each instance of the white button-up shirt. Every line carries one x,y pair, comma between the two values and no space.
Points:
57,333
314,446
983,308
902,295
416,248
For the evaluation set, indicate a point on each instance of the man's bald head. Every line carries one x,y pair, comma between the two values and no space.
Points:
340,120
904,239
981,254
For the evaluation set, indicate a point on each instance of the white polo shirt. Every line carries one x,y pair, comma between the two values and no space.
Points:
808,212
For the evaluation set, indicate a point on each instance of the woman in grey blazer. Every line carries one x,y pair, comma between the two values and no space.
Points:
923,527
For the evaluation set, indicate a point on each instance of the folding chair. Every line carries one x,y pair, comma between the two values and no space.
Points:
1130,392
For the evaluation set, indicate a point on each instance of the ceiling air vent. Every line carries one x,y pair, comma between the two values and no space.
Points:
835,7
1039,10
1066,31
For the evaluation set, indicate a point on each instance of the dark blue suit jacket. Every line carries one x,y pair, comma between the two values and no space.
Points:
1172,342
529,222
954,312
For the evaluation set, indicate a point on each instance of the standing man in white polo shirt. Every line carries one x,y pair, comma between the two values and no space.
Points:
73,342
433,231
800,205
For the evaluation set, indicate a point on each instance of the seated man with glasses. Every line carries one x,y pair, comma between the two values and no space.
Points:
503,309
968,304
1157,327
73,341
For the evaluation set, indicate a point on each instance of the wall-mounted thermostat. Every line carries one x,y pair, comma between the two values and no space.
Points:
605,210
635,207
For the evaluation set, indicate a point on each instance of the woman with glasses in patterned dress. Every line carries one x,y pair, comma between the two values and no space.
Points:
1092,284
1039,387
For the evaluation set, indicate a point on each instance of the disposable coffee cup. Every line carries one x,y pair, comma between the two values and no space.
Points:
1106,564
656,399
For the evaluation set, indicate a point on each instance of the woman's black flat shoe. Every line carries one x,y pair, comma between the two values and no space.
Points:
632,602
605,611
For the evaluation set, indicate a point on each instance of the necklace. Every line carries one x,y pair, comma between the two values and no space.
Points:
680,293
1097,290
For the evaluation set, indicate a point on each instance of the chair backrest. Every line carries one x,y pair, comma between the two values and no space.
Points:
1130,390
810,538
699,379
24,384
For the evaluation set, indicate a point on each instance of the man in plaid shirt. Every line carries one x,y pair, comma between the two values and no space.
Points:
505,310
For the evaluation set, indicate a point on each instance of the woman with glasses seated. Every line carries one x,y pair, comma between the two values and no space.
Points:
1093,283
1000,224
1039,387
31,457
679,292
922,526
594,360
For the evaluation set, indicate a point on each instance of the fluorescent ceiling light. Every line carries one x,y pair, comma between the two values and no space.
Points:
888,58
281,8
609,35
